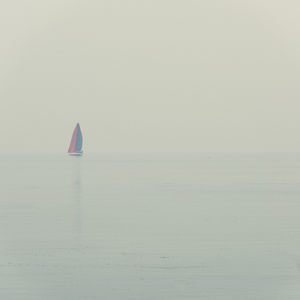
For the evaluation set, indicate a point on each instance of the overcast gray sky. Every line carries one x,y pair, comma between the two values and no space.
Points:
156,75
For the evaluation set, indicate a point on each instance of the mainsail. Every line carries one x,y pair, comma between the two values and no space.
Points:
76,141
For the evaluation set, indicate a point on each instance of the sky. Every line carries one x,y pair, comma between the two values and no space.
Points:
150,76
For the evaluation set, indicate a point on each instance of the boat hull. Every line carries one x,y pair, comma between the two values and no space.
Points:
75,153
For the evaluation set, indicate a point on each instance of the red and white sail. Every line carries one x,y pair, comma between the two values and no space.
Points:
76,141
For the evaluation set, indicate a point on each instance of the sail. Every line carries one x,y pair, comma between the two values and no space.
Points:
76,141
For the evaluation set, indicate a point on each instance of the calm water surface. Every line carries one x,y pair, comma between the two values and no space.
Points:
209,226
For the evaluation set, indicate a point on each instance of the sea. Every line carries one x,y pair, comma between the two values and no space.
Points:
205,226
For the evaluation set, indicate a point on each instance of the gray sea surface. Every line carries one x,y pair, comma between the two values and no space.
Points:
145,226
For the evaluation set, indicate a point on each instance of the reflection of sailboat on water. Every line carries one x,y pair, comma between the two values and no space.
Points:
76,194
75,148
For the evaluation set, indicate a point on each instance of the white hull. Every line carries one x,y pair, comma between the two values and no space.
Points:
75,153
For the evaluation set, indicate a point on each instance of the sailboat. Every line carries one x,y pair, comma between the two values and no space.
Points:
75,148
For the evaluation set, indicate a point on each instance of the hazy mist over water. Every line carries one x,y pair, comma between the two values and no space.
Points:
221,227
150,76
155,76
